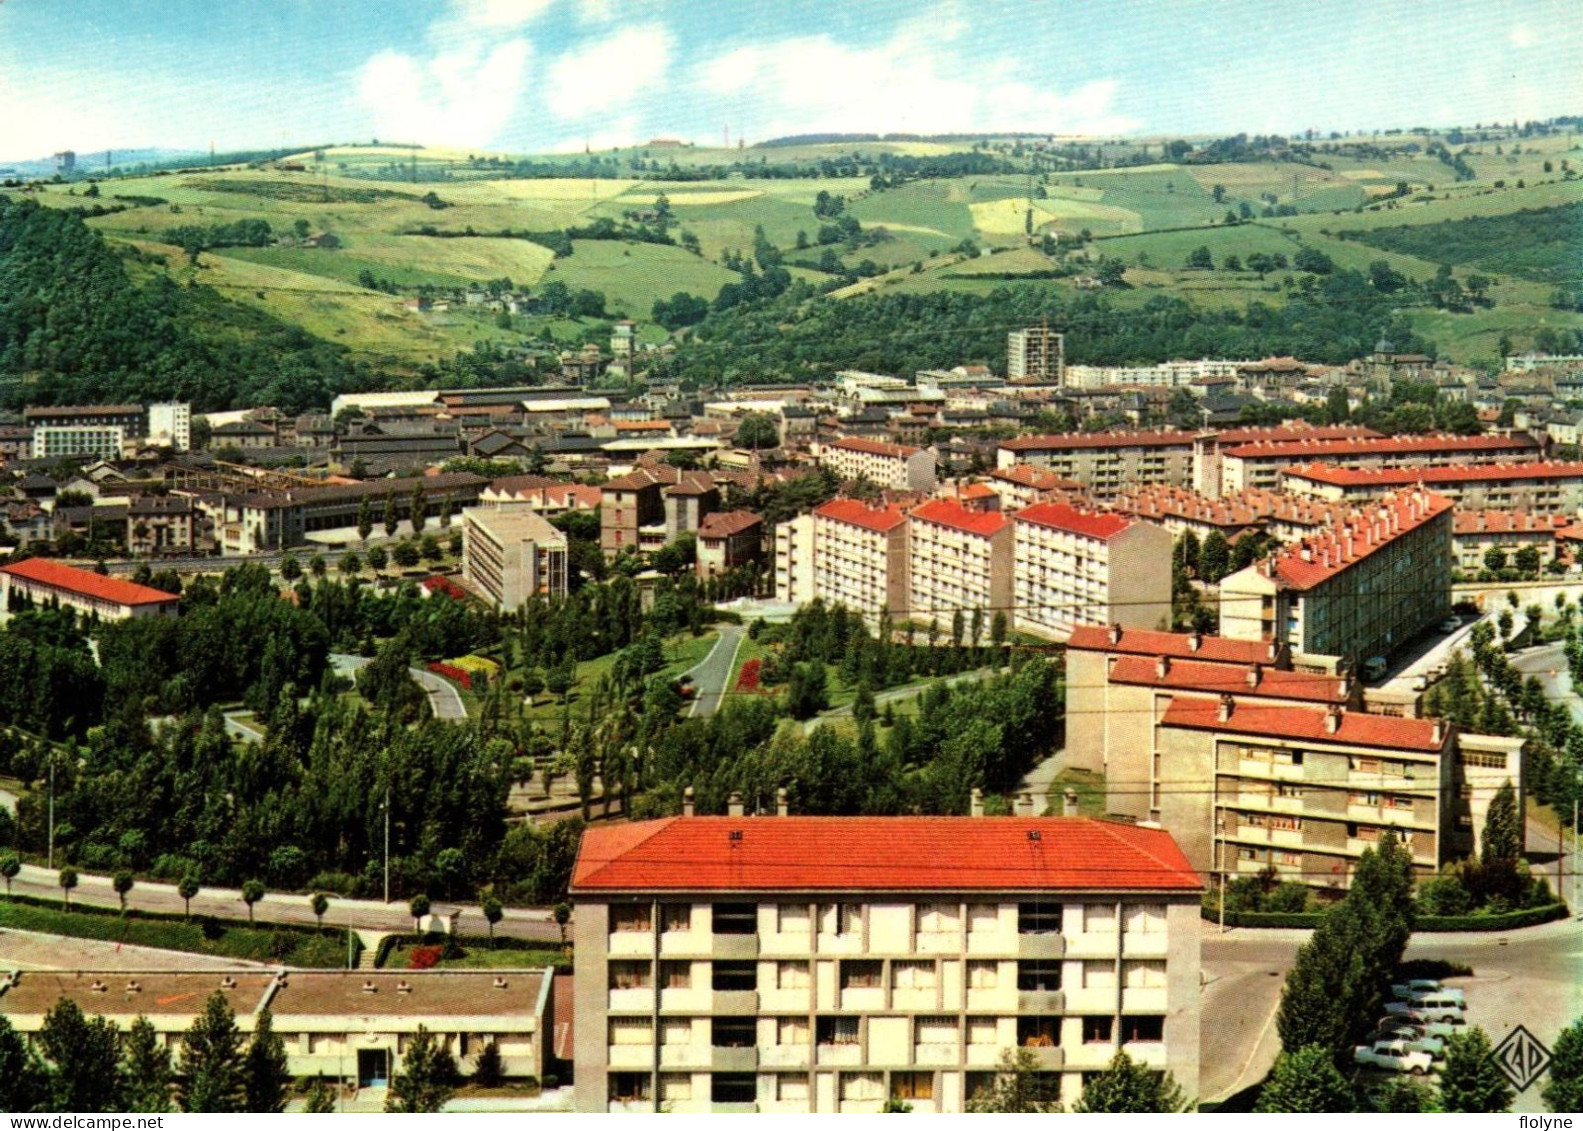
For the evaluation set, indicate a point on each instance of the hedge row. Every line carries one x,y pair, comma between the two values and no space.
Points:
1507,921
452,944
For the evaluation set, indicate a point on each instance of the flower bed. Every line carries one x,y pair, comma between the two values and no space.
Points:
453,673
748,677
438,584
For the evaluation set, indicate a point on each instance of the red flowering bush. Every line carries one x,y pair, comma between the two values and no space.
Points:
425,957
748,677
453,673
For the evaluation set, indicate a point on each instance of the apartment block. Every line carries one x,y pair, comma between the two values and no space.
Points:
1548,487
894,467
160,526
130,418
1359,589
794,560
171,423
1022,485
860,557
263,521
1476,532
830,964
1036,356
510,554
651,506
728,540
1072,567
78,441
1260,463
960,560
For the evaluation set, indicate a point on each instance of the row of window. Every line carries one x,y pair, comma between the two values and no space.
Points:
1033,918
863,973
795,1032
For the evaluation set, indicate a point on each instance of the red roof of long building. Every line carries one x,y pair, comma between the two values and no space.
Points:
1308,724
87,583
1309,448
1432,476
857,513
1176,437
1061,516
1149,642
948,854
1228,679
1027,475
1505,522
1340,546
948,512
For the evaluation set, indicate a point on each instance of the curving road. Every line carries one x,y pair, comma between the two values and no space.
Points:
445,700
711,673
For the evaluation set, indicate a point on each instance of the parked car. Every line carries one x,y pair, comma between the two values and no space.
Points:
1452,995
1410,1036
1393,1056
1418,1023
1374,668
1404,990
1432,1009
1450,624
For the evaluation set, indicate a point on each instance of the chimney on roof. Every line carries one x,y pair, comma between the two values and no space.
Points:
1025,804
782,806
1227,705
1069,803
975,804
1194,640
1115,632
1437,734
734,804
1255,674
1162,667
687,802
1306,553
1332,720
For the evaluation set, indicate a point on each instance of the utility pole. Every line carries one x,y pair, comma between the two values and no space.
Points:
52,807
387,844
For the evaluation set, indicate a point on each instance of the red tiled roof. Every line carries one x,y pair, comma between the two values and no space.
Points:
723,524
1148,642
977,491
1027,475
874,447
1229,679
790,854
1505,522
87,583
1174,437
1307,724
1384,445
1432,476
948,512
1322,556
859,514
1061,516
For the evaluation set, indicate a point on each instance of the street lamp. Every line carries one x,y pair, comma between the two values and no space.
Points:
52,807
386,808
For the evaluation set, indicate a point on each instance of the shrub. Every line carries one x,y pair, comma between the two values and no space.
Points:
1289,898
425,957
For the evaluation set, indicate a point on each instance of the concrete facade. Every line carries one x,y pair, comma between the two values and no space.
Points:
510,554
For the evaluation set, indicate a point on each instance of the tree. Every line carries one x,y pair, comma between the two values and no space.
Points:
1563,1093
84,1056
1495,559
1526,561
145,1069
320,1100
252,892
350,563
1200,259
187,888
377,560
1305,1081
290,568
1472,1080
212,1068
405,554
427,1078
419,907
10,866
1214,558
493,913
563,916
320,904
1403,1096
1126,1086
365,519
419,507
122,882
392,514
489,1071
807,693
267,1083
1503,839
1017,1088
67,880
317,566
757,430
24,1085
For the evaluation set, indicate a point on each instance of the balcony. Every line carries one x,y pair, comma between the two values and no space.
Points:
839,1055
1048,944
848,943
1046,1058
632,1107
914,998
685,1000
867,999
799,944
991,999
786,1056
937,1056
1145,944
983,1056
625,944
991,942
685,1056
1280,771
1091,999
1096,944
631,1056
734,946
938,942
735,1002
1143,999
734,1109
785,1001
1041,1001
684,942
734,1060
632,1000
1151,1054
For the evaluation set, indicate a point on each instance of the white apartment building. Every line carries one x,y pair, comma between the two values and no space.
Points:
895,467
830,964
959,560
860,557
65,441
794,560
1167,374
1036,354
1072,567
171,423
510,553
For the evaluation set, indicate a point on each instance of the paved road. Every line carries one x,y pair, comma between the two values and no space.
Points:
276,907
445,700
897,694
1532,977
711,673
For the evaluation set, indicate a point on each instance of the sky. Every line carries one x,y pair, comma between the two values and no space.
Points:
555,75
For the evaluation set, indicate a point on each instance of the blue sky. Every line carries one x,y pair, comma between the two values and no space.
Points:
526,75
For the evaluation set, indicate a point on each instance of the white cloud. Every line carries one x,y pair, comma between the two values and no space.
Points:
607,75
464,97
911,83
498,15
1523,36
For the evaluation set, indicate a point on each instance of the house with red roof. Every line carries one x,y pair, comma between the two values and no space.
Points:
728,540
44,581
959,561
793,964
895,467
1073,566
856,555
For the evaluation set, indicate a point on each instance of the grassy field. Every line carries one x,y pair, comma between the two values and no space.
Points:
632,276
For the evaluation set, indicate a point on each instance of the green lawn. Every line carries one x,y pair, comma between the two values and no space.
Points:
1089,787
506,956
681,653
633,276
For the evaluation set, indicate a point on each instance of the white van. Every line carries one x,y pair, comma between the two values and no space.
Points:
1374,668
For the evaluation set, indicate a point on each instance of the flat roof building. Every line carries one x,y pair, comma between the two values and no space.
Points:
510,553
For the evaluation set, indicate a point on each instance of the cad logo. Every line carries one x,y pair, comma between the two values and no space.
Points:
1522,1058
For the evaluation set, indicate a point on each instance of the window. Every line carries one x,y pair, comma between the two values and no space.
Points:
1366,765
792,918
791,1031
1484,760
793,1089
983,1031
983,918
979,1084
676,917
938,1031
983,975
1258,754
630,976
1099,918
630,917
676,975
1363,799
629,1087
733,1088
1039,1032
864,975
736,918
1146,919
913,976
792,976
1284,823
677,1031
631,1031
1142,1030
733,1032
912,1085
840,919
1289,859
1038,976
1144,975
1039,918
1398,802
1098,1030
735,976
1099,975
1247,854
861,1086
837,1031
676,1087
939,919
1284,790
